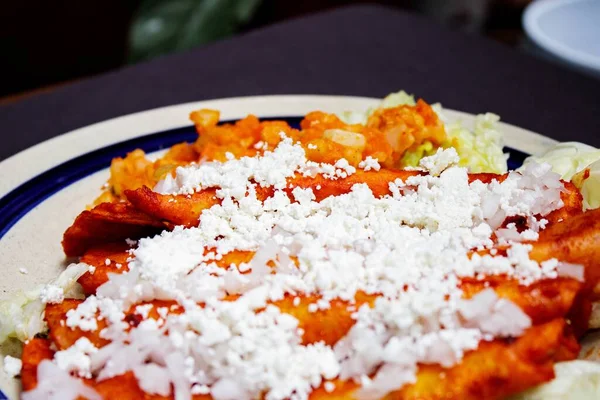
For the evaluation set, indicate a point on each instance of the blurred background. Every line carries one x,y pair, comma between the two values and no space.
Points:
48,43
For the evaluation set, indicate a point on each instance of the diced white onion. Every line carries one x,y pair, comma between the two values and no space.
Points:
346,138
575,271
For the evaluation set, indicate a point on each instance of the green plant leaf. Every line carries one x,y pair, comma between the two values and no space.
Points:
164,26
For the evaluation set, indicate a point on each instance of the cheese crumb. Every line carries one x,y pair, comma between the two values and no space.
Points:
329,387
84,316
144,310
440,161
369,163
52,294
12,366
77,358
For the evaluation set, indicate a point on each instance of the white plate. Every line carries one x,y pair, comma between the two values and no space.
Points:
42,188
568,29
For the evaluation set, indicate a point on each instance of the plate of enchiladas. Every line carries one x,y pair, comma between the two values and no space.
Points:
301,247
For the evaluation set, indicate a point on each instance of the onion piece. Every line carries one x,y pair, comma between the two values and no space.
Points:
575,271
346,138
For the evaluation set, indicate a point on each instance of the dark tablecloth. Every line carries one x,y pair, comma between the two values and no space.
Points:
360,50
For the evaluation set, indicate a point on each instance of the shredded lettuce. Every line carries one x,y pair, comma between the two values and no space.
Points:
588,183
21,317
400,98
353,117
567,158
575,380
578,163
412,157
480,149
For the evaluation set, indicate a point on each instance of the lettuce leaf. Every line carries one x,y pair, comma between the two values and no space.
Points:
578,163
479,149
21,316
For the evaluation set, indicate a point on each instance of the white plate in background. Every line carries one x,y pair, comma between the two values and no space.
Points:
567,29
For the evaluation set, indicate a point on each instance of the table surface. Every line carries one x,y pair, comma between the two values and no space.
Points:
359,50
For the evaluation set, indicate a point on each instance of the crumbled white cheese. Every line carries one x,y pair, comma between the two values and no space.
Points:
144,310
410,248
369,163
23,271
303,196
232,177
84,316
329,387
52,294
77,358
343,168
440,161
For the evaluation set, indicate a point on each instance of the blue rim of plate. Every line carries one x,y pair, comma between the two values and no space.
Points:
18,202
